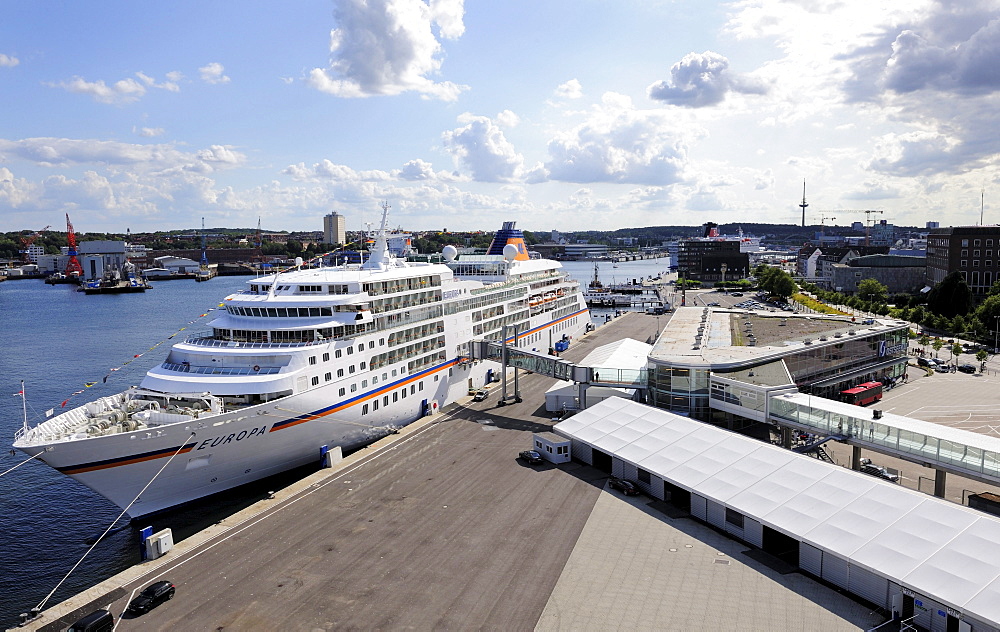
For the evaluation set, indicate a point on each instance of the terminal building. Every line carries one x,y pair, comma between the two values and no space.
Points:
746,356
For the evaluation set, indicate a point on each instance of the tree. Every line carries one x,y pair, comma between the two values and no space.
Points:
783,286
951,296
982,354
937,344
956,350
871,291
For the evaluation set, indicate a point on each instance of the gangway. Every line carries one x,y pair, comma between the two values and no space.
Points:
509,356
967,454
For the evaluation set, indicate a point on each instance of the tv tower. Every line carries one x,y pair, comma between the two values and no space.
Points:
803,205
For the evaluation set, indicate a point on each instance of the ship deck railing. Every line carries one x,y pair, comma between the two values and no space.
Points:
208,341
181,367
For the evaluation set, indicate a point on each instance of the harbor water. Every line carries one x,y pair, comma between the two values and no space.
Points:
70,348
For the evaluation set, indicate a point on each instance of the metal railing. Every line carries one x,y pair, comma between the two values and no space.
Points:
213,370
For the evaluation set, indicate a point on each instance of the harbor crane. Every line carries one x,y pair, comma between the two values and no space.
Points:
27,241
73,267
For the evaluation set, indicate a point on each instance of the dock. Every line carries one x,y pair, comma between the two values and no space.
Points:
441,527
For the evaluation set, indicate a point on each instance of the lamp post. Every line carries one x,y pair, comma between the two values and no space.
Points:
996,329
723,267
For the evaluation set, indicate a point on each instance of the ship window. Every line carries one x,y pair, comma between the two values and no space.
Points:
350,350
402,392
413,389
364,410
436,377
326,357
328,377
342,391
371,344
381,342
395,397
385,376
337,353
364,383
354,387
350,369
282,312
361,348
385,400
421,385
312,360
340,372
375,404
374,380
315,380
364,365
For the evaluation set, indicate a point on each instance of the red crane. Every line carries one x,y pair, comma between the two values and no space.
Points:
27,240
73,267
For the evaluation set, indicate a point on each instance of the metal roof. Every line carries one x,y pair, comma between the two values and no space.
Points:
936,548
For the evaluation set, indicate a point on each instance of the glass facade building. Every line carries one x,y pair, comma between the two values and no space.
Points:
822,368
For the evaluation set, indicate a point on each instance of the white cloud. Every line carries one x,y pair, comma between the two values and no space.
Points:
572,89
120,92
51,152
388,47
326,170
699,80
482,147
148,132
619,143
213,73
7,61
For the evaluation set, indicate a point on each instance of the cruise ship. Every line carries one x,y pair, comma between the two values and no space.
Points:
306,360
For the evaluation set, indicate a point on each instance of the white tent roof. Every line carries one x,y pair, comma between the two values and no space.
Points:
936,548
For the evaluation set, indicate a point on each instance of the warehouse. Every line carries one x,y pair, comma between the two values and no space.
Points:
901,550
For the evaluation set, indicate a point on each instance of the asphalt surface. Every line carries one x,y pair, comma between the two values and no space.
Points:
442,529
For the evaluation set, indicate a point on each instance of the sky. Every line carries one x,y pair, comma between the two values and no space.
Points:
581,115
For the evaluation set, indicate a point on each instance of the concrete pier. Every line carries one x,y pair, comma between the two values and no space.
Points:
441,527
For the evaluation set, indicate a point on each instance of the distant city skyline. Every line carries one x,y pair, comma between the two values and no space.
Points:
590,115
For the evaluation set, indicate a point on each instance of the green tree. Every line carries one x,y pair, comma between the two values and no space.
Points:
956,350
951,296
937,344
871,291
784,286
982,354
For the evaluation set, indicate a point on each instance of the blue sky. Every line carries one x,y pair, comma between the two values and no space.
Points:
559,115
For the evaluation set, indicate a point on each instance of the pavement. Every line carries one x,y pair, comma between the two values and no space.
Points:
441,527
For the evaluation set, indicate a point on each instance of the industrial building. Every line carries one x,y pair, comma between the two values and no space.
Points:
920,558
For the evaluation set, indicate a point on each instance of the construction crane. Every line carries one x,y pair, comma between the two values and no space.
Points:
27,241
823,218
73,267
868,217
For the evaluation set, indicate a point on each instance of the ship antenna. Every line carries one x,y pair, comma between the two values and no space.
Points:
24,407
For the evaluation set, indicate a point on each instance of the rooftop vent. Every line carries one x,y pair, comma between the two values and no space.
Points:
837,335
851,332
808,341
823,338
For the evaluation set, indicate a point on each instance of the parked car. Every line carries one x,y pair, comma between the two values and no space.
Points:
480,395
925,362
97,621
624,486
152,596
533,457
967,368
942,368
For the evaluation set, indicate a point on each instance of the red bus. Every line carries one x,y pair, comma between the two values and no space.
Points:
863,394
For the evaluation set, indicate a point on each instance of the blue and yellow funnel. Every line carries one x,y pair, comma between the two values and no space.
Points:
509,235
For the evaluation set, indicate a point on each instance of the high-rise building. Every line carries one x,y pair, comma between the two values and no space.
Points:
334,229
974,251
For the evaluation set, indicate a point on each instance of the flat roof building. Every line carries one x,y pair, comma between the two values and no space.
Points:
702,348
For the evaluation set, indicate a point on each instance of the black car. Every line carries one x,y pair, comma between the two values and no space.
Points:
967,368
626,487
924,362
533,457
152,596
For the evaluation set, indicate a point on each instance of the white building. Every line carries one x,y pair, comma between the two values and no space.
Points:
334,229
